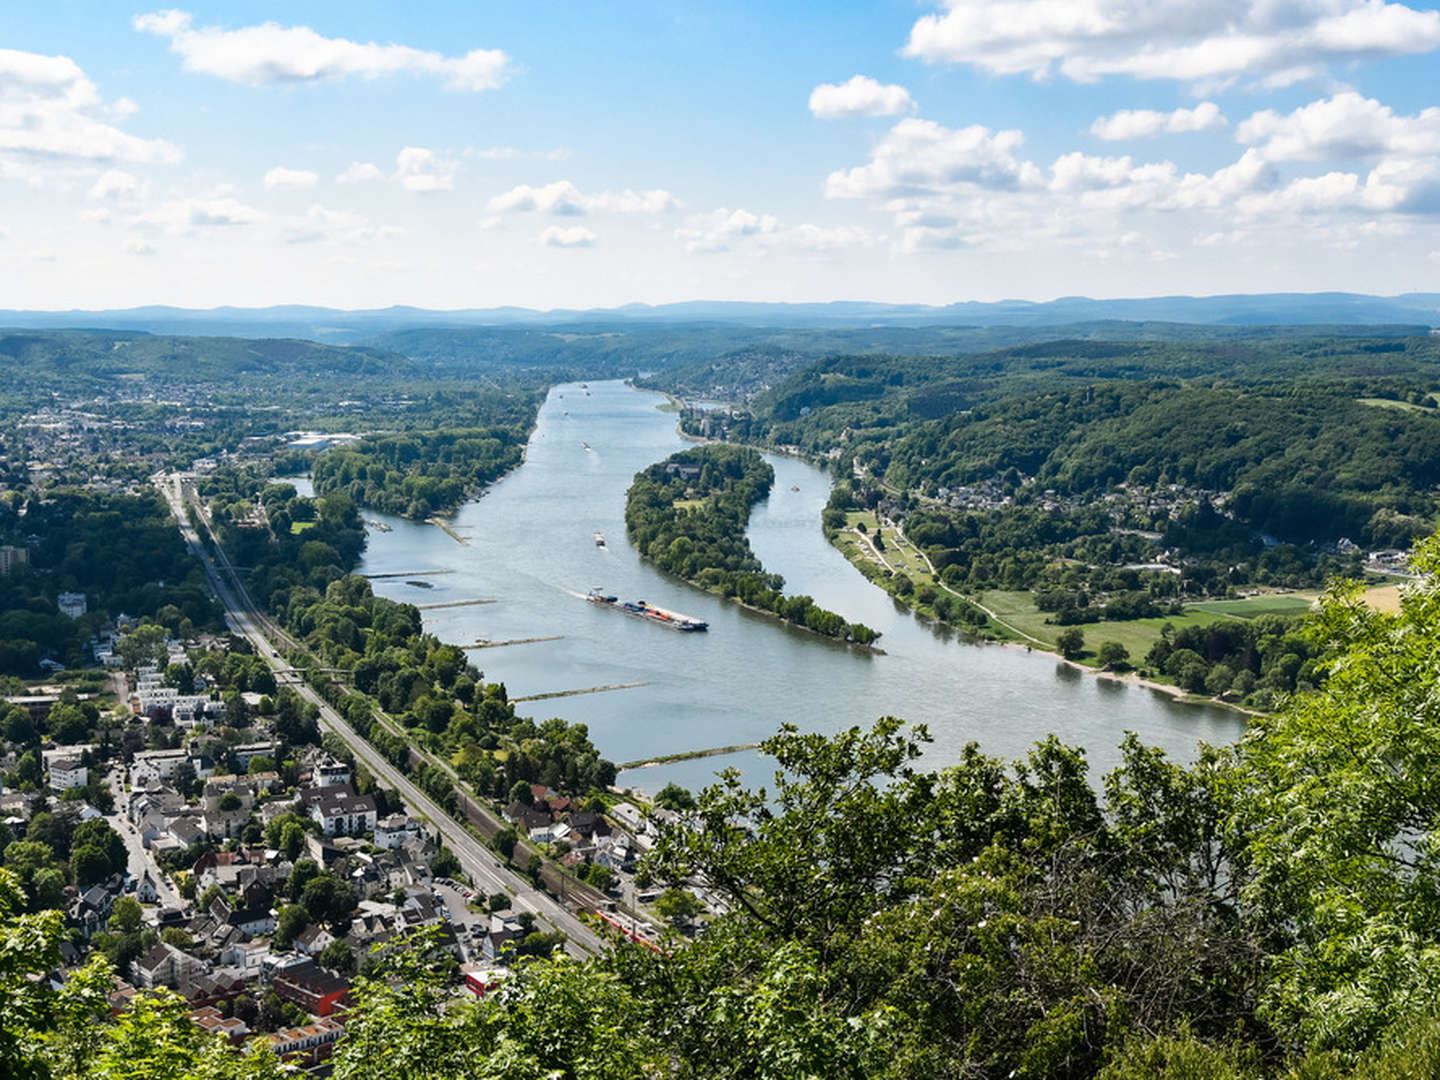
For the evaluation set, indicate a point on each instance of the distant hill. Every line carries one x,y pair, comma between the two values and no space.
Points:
1412,310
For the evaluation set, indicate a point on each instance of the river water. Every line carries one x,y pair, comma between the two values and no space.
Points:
529,547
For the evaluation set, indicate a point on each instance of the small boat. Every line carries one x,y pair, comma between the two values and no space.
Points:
794,487
599,539
588,447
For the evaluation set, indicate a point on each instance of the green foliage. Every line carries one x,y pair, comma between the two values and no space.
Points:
703,540
420,473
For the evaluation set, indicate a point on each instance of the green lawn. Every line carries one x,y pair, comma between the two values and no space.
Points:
1137,635
1253,607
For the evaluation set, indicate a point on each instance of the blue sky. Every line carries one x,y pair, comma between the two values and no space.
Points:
561,155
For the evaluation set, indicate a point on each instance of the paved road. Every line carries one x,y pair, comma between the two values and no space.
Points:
139,859
478,861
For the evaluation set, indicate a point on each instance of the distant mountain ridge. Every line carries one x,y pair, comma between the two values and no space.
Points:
338,325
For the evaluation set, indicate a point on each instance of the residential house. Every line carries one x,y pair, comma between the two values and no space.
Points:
394,830
339,810
165,965
67,773
314,1041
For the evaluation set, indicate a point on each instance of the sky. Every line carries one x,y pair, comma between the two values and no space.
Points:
474,154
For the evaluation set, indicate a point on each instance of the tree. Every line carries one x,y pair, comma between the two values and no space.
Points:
506,839
230,802
328,899
679,907
338,956
290,922
674,797
89,864
100,834
126,915
301,874
499,901
520,792
1113,656
1071,643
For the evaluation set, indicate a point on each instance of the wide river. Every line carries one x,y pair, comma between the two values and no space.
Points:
529,547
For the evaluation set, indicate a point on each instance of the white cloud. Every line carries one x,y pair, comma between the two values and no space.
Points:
1085,40
512,153
114,184
860,96
563,198
1346,125
725,229
270,54
918,156
282,179
136,245
422,170
357,172
568,236
51,114
1143,123
322,224
213,211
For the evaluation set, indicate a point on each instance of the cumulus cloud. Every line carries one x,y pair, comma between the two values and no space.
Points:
1346,125
51,113
282,179
114,184
357,172
568,236
563,198
270,54
212,211
725,230
1084,40
860,96
918,156
423,170
322,224
1144,123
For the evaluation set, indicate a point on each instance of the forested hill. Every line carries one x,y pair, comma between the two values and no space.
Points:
104,356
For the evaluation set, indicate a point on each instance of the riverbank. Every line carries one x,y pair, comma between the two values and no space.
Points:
860,550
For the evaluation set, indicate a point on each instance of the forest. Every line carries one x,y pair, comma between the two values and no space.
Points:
121,551
419,473
687,514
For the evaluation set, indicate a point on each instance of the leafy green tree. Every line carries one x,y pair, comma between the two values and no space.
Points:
290,923
505,841
328,899
126,915
1113,656
1071,643
674,797
337,956
679,907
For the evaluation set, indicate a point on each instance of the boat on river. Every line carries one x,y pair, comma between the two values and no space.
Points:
641,610
599,539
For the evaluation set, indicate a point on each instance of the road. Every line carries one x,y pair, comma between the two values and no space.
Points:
139,860
478,861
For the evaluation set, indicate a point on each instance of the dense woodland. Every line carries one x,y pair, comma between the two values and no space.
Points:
121,551
420,473
687,514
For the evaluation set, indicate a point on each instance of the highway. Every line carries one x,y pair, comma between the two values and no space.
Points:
478,861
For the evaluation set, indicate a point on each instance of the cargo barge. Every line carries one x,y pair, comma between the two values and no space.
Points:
641,610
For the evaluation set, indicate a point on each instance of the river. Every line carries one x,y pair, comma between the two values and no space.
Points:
529,547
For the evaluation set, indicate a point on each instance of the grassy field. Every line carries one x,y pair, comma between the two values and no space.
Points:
1253,607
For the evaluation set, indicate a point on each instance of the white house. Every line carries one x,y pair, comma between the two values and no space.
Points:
71,604
393,831
156,765
67,773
